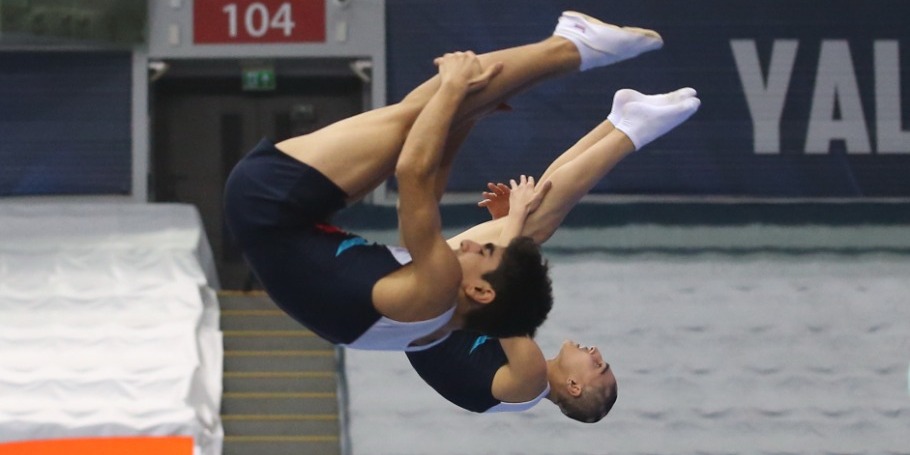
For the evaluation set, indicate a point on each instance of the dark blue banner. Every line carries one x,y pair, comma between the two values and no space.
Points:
65,123
800,98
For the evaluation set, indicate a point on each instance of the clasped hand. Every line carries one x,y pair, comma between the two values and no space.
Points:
463,69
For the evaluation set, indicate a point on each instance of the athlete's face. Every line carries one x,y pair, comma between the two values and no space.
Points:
477,259
585,365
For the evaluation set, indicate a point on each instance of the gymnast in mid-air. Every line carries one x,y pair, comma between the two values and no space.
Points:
279,198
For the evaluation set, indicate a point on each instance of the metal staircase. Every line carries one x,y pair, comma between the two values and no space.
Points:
281,382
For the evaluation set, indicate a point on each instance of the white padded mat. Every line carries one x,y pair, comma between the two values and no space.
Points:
108,323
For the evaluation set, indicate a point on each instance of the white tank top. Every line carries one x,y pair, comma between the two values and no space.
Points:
389,335
518,407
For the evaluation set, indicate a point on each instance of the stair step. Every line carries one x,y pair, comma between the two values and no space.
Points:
235,300
273,340
252,445
279,403
278,363
257,320
280,382
318,381
281,424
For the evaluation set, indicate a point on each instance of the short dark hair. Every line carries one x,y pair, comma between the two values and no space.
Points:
524,293
592,405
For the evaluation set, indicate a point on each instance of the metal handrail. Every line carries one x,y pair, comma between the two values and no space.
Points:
343,402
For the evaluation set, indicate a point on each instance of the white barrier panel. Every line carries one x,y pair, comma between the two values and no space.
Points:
108,324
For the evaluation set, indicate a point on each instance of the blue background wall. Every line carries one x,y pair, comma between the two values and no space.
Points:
65,123
65,117
715,152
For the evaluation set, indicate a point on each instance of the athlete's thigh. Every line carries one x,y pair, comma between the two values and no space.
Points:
357,153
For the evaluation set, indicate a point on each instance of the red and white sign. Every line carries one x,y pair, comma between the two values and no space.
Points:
258,21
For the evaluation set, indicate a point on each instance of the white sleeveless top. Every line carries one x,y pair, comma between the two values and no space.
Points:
390,335
518,407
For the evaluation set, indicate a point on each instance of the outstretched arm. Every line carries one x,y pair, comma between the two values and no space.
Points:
573,180
635,120
571,176
524,198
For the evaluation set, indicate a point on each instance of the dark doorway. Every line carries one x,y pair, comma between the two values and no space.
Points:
203,125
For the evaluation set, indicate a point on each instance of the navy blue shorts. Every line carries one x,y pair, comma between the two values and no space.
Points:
277,208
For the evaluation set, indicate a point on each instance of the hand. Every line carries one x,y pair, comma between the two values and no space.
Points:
496,200
523,195
463,69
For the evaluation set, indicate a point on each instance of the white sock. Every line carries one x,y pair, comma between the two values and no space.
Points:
644,123
588,55
627,95
601,44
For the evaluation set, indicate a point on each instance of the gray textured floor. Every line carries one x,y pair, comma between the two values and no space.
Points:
800,352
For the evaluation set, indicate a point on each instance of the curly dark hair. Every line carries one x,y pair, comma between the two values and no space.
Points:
524,293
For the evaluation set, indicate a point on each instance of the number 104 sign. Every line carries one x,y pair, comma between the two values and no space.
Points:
258,21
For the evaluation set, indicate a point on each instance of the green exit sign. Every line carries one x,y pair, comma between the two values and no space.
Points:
259,79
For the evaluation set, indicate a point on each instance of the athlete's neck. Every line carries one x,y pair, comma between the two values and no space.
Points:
553,378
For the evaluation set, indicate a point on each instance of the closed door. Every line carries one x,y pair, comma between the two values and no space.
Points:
202,127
